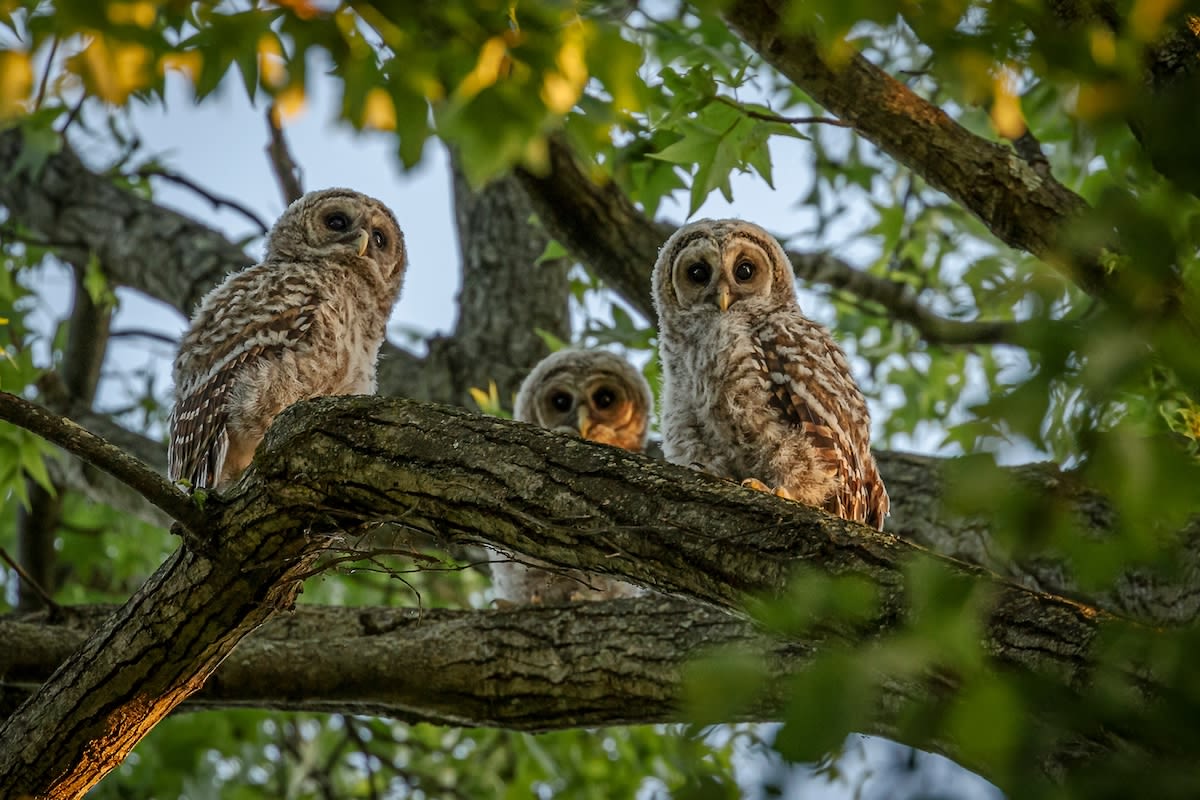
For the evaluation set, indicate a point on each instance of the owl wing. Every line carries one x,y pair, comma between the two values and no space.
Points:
199,440
811,388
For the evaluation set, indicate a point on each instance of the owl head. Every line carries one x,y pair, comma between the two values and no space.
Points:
592,393
719,267
340,226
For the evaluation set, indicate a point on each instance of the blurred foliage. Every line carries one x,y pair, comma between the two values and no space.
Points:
664,99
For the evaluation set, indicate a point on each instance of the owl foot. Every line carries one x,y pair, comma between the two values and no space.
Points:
759,486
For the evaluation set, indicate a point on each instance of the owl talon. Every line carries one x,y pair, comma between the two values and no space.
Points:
756,485
759,486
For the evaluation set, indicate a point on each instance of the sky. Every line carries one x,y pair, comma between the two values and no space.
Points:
221,145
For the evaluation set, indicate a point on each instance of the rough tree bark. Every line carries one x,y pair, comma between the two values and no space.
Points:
331,465
506,297
469,479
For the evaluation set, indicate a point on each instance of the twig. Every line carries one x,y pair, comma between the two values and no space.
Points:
47,600
41,92
901,303
104,456
73,114
284,166
769,117
144,333
216,200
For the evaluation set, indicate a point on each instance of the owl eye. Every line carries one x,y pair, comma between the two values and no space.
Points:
337,221
561,401
699,272
379,238
603,398
744,271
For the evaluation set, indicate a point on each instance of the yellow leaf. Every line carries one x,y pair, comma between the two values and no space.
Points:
270,61
289,105
189,63
562,89
16,82
1103,46
112,69
140,13
379,112
479,396
1006,107
488,68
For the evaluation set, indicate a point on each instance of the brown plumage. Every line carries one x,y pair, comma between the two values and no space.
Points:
752,389
598,396
308,321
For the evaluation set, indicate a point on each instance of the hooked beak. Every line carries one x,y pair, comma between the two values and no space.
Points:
723,299
364,239
585,422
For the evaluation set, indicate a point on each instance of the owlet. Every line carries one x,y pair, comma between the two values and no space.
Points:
598,396
752,389
307,321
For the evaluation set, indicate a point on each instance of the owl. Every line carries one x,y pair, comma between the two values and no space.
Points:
752,390
598,396
307,321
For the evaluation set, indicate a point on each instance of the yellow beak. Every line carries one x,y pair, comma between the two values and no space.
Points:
364,238
585,422
723,297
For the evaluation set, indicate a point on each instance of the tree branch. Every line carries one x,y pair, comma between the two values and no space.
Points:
215,200
99,453
919,514
506,297
602,227
333,464
1019,206
450,667
282,163
37,525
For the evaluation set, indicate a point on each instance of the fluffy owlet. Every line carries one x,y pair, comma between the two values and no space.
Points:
752,389
596,395
307,321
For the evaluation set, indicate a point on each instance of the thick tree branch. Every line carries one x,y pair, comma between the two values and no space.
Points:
82,213
919,514
496,668
627,663
1022,208
330,465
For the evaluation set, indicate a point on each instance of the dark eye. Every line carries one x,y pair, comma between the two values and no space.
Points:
744,271
561,401
378,237
699,272
337,221
603,398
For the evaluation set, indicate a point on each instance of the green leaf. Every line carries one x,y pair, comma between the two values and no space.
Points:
553,251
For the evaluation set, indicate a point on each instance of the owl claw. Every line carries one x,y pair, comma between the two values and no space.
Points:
759,486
